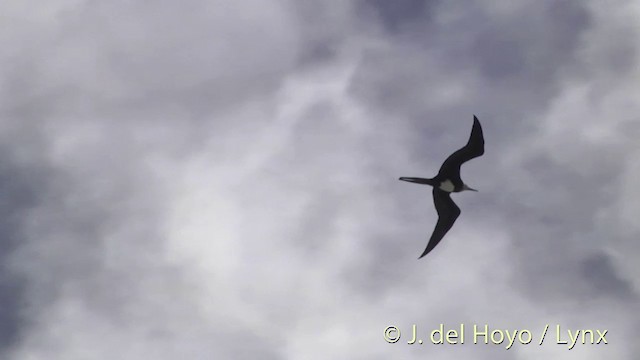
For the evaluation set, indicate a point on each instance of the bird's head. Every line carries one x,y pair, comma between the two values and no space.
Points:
466,187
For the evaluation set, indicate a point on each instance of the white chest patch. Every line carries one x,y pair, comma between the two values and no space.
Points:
447,186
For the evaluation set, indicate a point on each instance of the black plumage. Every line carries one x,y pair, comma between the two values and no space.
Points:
447,181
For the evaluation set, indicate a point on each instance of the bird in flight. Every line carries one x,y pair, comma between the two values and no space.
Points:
448,181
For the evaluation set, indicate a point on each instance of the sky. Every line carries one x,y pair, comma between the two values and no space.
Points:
219,179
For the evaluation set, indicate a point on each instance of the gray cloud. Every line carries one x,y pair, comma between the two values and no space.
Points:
213,180
22,189
399,17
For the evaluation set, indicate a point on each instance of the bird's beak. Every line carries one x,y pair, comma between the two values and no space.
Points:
416,180
465,187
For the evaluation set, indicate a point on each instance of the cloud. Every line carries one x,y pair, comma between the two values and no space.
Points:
214,180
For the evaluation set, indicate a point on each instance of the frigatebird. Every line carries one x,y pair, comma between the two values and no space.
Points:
448,181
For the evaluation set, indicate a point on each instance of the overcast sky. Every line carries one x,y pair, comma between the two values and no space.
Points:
219,179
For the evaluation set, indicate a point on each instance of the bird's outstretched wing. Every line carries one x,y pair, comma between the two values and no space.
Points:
473,149
448,212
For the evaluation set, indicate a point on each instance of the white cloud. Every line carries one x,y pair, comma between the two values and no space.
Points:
214,193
